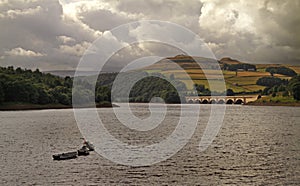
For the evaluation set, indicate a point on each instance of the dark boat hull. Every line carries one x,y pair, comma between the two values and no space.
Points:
65,156
83,152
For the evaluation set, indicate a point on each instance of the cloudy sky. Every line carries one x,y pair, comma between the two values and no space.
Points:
52,34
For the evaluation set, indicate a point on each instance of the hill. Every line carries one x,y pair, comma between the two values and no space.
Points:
239,81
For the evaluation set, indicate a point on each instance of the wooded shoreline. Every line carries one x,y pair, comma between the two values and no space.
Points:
294,104
28,106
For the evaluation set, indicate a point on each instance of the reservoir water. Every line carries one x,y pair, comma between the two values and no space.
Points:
255,146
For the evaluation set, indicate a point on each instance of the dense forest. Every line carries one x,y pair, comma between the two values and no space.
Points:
240,66
18,85
281,70
271,81
23,85
276,85
147,88
152,85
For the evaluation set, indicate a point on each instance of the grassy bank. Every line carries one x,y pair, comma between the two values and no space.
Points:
275,101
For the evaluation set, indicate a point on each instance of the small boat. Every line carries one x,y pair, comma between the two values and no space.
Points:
84,151
65,156
89,145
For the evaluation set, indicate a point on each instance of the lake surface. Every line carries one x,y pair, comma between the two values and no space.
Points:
255,146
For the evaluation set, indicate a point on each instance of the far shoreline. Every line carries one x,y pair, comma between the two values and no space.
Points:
28,106
293,104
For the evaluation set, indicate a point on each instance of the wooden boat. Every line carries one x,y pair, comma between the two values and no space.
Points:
84,151
65,156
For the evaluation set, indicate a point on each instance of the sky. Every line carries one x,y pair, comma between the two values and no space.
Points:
53,35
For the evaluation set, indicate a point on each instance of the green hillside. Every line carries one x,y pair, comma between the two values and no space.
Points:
239,81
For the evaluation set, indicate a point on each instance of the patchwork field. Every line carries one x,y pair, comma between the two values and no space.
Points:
295,68
240,81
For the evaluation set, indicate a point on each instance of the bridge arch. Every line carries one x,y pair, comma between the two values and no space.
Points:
205,101
197,101
221,101
229,101
239,101
213,101
190,101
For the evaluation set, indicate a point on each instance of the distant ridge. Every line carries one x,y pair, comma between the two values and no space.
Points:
70,73
229,61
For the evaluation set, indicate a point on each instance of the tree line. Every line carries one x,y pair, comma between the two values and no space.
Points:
275,85
281,70
240,66
25,85
152,85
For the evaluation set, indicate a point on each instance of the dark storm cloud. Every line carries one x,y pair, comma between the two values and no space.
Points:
263,31
37,26
104,19
45,34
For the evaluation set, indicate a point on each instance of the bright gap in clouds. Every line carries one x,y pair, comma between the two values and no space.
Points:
69,8
72,8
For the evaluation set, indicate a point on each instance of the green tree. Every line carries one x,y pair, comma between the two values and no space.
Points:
229,92
19,70
294,87
68,82
199,87
285,93
272,72
270,81
44,97
172,97
83,96
2,96
281,70
103,93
